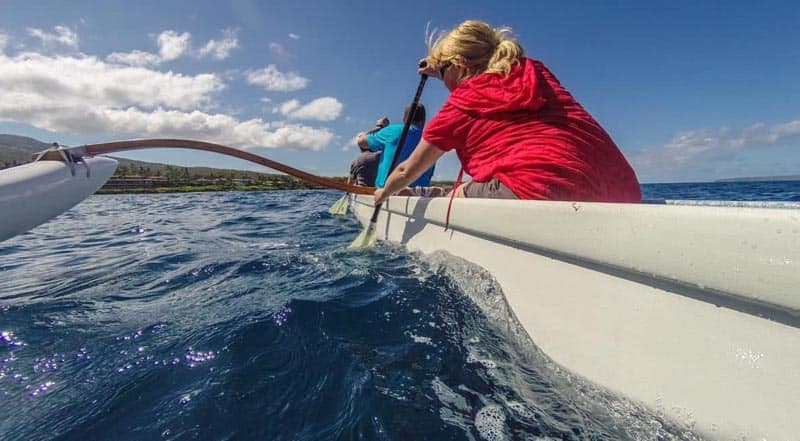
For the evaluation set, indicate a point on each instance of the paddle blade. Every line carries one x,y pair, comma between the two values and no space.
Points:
366,239
340,207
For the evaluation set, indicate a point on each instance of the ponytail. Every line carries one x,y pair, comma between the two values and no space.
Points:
507,53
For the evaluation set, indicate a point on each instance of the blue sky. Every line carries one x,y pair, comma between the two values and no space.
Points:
691,91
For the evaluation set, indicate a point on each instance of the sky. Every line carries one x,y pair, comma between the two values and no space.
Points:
690,91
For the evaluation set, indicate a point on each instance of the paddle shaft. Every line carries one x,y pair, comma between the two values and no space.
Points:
403,135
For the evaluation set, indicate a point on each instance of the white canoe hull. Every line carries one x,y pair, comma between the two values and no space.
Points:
34,193
662,304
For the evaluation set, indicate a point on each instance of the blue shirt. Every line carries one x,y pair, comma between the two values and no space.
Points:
385,140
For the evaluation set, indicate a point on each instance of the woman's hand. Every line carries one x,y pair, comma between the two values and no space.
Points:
380,196
428,68
423,158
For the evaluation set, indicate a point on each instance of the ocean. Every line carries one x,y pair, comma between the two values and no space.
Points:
244,316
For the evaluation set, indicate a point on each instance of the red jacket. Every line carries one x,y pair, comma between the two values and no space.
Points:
526,130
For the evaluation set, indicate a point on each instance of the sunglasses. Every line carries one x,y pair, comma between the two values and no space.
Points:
443,68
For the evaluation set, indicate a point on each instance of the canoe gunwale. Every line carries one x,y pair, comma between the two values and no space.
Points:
722,299
787,312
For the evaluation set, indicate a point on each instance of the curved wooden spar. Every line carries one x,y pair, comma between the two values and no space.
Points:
140,144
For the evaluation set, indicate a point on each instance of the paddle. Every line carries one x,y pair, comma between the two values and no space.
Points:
367,236
340,206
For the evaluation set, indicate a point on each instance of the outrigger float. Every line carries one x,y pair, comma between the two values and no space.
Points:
693,311
33,193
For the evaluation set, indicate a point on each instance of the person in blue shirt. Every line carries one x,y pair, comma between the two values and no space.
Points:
385,139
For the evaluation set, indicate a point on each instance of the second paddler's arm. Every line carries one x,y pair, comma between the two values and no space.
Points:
361,139
423,158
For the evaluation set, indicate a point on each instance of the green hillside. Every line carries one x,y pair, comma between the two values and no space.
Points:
15,150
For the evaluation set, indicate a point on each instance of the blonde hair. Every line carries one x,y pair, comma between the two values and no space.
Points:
476,46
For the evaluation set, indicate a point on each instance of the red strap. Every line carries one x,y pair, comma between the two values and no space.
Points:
453,195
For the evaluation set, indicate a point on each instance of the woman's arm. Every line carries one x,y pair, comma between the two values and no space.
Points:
423,158
361,139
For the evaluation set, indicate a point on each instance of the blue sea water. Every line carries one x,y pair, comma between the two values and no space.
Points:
772,191
244,316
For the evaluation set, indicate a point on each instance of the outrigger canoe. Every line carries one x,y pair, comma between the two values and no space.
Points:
693,311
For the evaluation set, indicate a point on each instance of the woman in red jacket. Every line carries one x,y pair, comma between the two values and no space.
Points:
517,132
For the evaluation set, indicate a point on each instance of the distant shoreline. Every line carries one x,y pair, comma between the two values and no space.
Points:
791,178
218,187
195,189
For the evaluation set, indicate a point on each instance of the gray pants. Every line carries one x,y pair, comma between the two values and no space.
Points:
493,189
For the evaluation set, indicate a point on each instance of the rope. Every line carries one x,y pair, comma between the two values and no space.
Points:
453,195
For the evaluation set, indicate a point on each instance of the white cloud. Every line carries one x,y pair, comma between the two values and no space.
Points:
220,128
300,136
62,35
135,58
353,142
3,43
34,79
274,80
220,49
86,95
223,129
688,150
172,45
294,36
288,107
320,109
